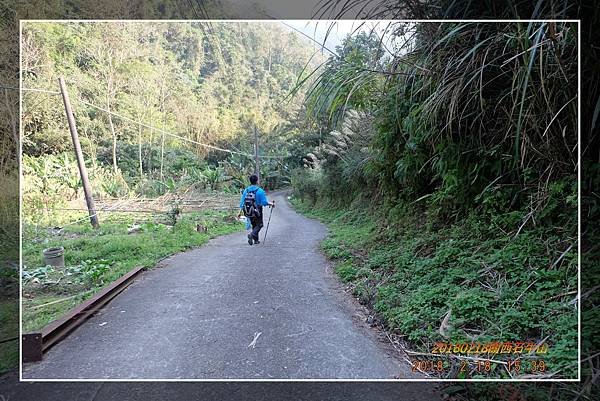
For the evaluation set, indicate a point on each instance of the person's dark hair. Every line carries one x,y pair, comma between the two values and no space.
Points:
253,179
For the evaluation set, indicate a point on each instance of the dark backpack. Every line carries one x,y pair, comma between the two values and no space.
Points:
250,206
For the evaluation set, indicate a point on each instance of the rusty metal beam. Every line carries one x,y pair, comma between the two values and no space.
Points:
35,344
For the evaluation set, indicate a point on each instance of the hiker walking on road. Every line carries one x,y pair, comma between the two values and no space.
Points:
251,204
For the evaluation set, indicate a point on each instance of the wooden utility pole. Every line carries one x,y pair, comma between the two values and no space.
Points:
256,163
87,190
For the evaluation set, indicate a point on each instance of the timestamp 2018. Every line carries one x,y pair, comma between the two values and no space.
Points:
514,366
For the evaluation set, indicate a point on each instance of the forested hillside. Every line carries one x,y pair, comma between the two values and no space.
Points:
210,83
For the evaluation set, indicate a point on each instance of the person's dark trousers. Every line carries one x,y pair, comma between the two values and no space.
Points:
257,224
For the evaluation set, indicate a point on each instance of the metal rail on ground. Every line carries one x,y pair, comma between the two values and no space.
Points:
35,344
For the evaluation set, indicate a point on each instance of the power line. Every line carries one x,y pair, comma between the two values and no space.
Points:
105,209
31,90
146,125
352,64
40,90
175,135
161,130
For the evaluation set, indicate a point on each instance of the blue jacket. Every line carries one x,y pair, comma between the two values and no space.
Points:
261,196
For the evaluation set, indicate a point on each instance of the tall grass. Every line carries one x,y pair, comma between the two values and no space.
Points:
9,216
464,109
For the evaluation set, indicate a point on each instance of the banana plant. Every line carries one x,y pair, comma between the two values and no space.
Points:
68,174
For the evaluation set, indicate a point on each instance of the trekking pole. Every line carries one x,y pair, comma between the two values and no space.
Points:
267,229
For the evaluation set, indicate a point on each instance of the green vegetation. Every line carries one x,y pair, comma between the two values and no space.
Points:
9,328
412,276
94,258
588,147
9,275
444,159
496,9
209,84
450,182
51,184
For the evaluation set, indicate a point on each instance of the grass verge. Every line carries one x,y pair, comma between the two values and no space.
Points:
95,258
460,283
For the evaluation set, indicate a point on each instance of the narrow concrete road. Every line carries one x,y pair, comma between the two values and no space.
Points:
228,310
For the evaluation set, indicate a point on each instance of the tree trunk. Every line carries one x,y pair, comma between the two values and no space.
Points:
13,119
256,161
270,56
114,145
112,126
150,153
140,151
162,155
